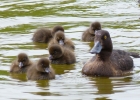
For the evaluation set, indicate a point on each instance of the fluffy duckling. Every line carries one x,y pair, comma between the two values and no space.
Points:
41,70
60,55
21,64
89,34
57,28
59,38
106,62
42,35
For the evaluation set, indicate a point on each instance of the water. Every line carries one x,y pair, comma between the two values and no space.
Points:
19,19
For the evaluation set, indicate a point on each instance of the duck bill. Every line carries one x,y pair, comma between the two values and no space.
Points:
61,42
95,31
97,48
20,64
47,70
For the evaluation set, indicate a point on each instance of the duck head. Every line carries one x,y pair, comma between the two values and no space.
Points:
55,51
22,59
57,28
60,37
95,26
103,43
43,65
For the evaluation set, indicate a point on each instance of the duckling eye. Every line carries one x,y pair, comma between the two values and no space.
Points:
105,37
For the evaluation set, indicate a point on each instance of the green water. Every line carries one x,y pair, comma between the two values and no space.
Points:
20,18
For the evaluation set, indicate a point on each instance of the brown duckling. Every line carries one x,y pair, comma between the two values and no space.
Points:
89,34
59,38
57,28
42,35
21,64
106,62
41,70
60,55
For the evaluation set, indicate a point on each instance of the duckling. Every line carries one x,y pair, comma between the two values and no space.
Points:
61,55
21,64
59,38
57,28
42,35
106,62
89,34
41,70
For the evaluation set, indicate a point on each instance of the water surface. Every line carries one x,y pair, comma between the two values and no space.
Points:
18,21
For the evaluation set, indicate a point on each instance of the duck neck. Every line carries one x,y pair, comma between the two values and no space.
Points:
104,55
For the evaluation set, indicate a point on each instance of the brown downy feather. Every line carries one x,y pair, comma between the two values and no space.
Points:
42,35
57,28
60,36
37,71
61,55
89,34
26,63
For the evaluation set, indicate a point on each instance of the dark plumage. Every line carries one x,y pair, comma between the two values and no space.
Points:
42,35
106,62
122,52
89,34
41,70
59,38
21,64
60,55
57,28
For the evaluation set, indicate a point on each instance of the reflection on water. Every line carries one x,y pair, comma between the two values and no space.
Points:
19,19
42,83
21,77
104,85
61,69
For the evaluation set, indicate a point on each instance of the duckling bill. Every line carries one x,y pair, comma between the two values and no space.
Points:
106,62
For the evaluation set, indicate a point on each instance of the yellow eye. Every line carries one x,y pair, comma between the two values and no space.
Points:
105,37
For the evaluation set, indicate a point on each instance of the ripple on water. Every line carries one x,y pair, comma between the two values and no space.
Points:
19,19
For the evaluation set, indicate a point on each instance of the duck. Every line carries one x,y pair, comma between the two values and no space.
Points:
41,70
21,64
61,55
56,28
106,62
89,34
59,38
42,35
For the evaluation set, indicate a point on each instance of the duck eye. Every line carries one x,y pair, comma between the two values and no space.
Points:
105,37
